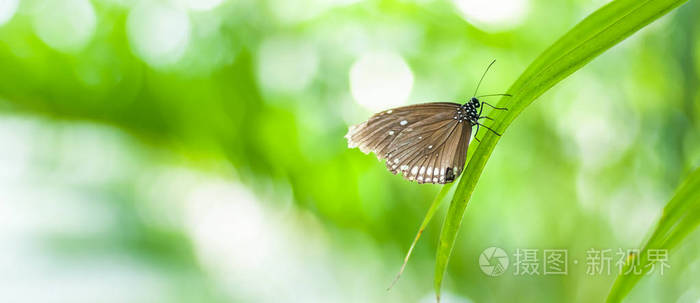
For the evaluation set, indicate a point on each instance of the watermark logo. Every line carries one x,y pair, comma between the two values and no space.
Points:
493,261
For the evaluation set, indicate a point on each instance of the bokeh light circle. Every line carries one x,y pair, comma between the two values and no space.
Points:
158,34
286,64
7,10
494,15
290,12
380,80
65,25
201,5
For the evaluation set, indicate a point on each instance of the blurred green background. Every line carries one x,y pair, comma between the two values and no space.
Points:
193,151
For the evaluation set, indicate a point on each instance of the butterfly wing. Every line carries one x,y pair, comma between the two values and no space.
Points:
423,142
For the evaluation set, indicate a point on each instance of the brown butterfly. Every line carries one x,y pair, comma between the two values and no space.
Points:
424,142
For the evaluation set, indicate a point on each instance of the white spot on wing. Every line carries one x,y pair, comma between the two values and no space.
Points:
414,170
403,122
391,133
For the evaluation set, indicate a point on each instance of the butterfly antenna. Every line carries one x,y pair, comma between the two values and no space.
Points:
482,77
491,95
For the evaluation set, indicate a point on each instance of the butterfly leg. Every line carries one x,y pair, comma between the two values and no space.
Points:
497,134
481,109
499,108
486,117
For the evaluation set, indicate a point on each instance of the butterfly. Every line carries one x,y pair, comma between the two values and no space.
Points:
425,142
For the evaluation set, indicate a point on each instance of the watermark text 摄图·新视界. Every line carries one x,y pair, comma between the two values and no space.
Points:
495,261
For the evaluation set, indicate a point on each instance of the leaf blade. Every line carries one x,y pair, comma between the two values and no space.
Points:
598,32
680,217
428,217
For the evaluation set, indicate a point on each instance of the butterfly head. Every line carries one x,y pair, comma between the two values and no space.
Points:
475,102
468,111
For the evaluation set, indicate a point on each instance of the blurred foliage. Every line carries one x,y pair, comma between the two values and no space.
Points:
117,137
679,218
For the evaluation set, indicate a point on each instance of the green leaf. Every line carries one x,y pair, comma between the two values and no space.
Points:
428,216
596,33
680,217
